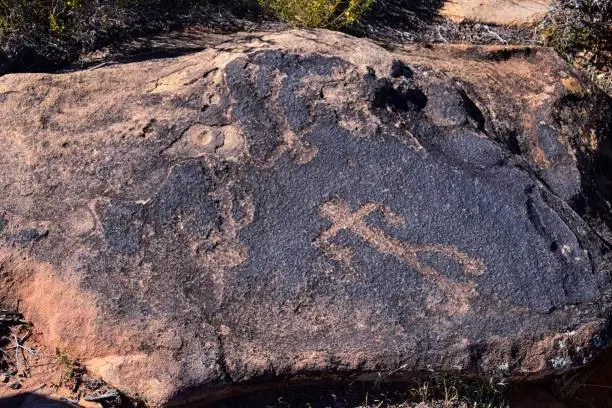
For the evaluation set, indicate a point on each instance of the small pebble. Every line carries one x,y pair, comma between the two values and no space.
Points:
15,385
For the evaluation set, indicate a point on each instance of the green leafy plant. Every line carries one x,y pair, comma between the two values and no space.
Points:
63,359
53,15
318,13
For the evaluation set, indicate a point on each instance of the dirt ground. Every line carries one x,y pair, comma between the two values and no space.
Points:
27,367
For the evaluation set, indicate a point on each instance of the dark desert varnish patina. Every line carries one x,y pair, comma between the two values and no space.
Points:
302,203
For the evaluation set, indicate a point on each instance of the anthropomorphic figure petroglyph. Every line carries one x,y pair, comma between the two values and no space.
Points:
456,295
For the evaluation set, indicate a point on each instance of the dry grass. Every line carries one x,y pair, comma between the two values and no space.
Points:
428,392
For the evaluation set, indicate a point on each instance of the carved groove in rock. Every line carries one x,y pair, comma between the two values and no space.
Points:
297,207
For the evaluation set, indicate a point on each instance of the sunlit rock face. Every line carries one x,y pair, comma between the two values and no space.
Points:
305,202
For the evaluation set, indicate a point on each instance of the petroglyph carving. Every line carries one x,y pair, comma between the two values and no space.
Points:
199,140
456,295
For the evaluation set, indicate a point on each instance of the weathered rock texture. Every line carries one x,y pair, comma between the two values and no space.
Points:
308,203
500,12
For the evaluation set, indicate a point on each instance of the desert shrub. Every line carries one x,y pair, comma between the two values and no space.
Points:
29,14
318,13
45,34
582,33
42,34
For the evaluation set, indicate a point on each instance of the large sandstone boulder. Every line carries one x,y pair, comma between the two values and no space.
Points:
307,203
499,12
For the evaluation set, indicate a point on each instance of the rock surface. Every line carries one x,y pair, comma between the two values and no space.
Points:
307,203
499,12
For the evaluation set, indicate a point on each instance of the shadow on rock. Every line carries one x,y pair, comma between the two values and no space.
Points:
404,15
33,401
